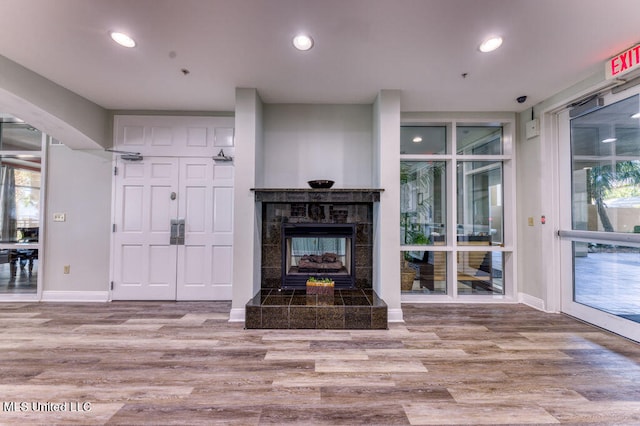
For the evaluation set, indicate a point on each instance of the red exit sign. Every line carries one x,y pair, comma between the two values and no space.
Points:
623,63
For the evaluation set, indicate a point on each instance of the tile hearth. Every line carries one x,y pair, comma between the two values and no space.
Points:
295,309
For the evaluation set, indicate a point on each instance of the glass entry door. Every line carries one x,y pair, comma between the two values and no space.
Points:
601,226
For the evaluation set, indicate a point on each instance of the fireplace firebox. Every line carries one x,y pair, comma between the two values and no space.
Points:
319,250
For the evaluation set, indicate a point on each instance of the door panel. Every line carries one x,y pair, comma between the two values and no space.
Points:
599,161
161,270
149,195
196,257
222,203
132,208
161,136
172,136
160,200
131,257
144,209
196,209
223,217
221,263
223,175
195,277
196,176
222,258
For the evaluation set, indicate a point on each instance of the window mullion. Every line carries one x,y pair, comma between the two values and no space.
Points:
452,217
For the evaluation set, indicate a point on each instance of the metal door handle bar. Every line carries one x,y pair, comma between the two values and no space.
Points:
180,236
176,237
605,237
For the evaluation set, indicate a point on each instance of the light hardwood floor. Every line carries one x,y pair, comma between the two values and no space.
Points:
183,363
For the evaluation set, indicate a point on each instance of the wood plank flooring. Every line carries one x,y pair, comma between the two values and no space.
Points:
184,363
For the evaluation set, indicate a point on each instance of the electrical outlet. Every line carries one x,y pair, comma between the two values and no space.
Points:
67,269
530,221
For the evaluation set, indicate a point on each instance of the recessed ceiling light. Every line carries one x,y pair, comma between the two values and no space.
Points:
122,39
490,44
417,139
609,140
636,115
302,42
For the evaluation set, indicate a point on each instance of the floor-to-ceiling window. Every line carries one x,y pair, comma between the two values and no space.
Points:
456,182
20,206
601,236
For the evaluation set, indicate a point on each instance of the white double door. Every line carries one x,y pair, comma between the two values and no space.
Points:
173,229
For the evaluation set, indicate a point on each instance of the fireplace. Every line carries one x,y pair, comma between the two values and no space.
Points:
318,250
321,233
339,210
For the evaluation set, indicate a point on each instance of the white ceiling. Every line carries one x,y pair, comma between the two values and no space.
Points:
421,47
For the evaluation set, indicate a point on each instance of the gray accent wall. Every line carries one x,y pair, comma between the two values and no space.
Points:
78,185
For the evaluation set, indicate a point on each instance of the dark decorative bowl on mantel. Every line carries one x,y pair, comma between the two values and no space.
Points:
320,184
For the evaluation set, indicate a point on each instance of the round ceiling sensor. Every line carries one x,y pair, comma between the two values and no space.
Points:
302,42
122,39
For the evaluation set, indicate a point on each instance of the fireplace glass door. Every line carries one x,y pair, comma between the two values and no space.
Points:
319,251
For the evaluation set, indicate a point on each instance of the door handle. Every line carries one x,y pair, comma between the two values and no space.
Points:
180,235
173,237
176,238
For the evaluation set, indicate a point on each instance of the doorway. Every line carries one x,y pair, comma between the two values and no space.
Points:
600,223
21,195
172,229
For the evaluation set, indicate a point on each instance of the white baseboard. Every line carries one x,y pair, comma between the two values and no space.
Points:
75,296
534,302
394,315
236,315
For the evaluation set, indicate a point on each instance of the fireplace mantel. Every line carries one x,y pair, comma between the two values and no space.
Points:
307,195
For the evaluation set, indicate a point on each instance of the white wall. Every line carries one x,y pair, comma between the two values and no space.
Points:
51,108
306,142
529,179
79,185
538,194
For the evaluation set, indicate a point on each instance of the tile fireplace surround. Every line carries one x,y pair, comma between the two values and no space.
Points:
275,307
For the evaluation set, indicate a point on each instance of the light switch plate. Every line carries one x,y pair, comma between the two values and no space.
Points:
59,217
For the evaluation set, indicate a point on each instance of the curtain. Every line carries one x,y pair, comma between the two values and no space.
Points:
8,223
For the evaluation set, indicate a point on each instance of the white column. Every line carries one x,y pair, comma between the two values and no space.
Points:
386,270
246,226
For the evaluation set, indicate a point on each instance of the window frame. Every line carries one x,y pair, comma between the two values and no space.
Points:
451,246
42,155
